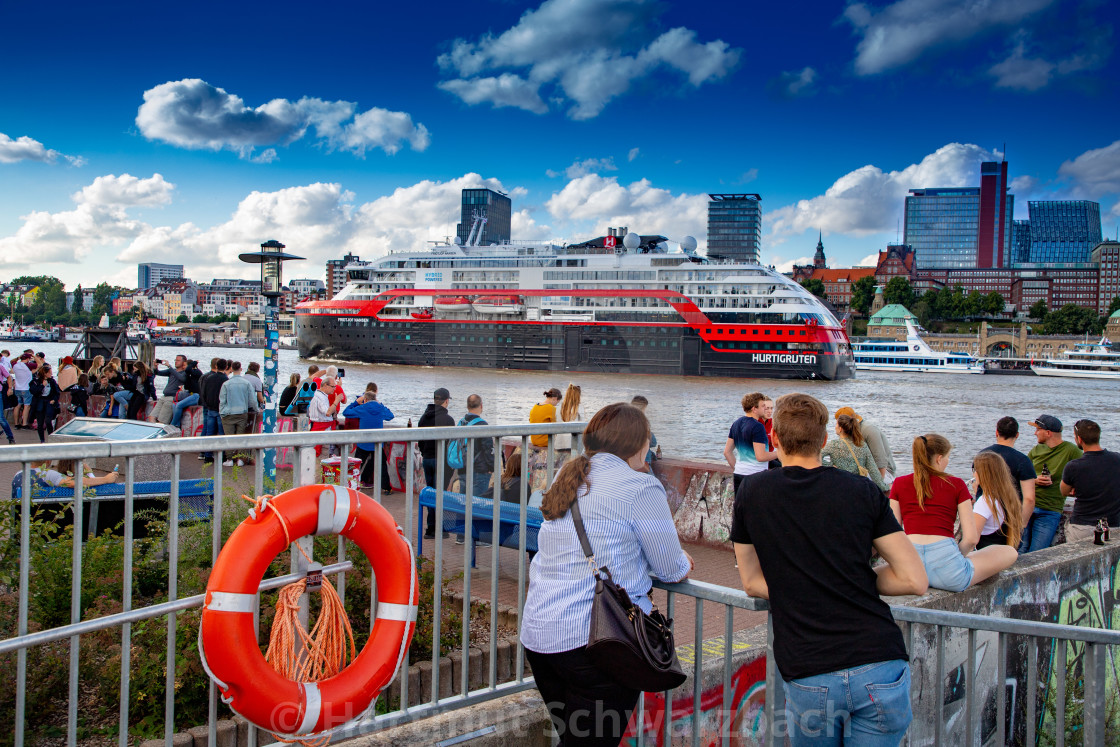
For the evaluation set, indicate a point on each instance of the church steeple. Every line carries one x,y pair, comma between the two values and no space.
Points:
818,258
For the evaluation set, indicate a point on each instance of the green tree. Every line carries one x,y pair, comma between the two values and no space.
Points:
77,307
1114,306
1039,310
993,303
181,319
974,303
1072,319
863,293
814,286
200,319
898,291
102,299
923,310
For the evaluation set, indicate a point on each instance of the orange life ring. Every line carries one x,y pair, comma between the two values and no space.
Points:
227,642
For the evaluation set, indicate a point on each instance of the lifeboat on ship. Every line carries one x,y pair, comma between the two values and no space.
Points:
422,314
452,304
498,305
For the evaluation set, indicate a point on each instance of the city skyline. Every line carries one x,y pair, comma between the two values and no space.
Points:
142,136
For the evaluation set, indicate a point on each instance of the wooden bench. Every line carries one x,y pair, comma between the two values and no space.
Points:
196,497
482,514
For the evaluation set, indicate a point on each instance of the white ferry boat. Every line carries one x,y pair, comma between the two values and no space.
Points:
1088,360
912,355
613,304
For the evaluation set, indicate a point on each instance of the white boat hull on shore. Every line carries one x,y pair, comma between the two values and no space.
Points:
914,368
1074,373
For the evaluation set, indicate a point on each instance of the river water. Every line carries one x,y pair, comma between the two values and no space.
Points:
691,415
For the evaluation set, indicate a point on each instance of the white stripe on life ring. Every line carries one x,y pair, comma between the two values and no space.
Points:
401,612
313,705
333,521
229,601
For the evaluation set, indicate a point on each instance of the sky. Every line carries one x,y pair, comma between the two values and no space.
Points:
133,132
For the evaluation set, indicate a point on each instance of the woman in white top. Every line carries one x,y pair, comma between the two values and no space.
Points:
998,513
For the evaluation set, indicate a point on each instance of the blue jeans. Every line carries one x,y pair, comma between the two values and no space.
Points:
121,398
866,705
211,426
1039,532
481,482
4,424
188,401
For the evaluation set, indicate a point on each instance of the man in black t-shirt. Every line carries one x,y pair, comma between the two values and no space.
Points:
210,386
1091,479
803,535
1021,466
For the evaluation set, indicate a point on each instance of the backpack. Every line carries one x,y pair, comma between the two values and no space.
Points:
299,403
457,449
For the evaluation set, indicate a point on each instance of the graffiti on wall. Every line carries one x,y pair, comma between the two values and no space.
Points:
702,511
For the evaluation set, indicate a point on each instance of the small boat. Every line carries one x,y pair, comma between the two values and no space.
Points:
452,304
498,305
913,355
422,314
1087,360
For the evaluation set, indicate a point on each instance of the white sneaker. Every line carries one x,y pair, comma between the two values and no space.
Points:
240,462
227,463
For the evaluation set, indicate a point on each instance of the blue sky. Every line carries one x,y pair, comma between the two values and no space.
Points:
150,132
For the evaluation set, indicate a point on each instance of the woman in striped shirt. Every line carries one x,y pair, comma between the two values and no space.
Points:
626,515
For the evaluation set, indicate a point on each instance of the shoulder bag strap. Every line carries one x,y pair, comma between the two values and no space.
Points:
577,520
863,471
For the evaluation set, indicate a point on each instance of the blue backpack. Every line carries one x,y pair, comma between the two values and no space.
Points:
299,403
457,449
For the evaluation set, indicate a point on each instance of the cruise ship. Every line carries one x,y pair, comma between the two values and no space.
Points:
914,355
1088,360
621,303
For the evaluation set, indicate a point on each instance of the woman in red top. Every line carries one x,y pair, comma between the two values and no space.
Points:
927,504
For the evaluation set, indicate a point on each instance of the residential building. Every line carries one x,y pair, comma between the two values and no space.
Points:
87,299
149,274
307,288
1063,231
735,227
1106,255
493,212
962,227
336,273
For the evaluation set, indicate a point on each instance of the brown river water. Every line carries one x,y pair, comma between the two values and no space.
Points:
691,415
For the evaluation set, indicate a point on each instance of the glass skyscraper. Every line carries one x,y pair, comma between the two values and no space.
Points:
1063,230
495,207
735,227
1020,242
962,227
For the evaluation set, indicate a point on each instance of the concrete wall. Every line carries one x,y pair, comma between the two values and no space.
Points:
702,497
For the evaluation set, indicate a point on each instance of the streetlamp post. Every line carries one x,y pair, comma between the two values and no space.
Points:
270,258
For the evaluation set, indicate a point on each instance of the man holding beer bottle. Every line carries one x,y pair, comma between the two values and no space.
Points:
1050,456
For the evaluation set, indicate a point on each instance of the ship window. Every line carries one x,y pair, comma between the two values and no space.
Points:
491,339
802,333
767,332
603,342
616,342
674,343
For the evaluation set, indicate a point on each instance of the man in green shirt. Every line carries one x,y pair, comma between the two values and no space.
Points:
1050,456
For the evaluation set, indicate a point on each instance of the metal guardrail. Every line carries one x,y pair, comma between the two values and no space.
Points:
1095,641
305,472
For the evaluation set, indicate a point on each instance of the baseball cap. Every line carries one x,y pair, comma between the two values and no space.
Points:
849,412
1047,423
441,395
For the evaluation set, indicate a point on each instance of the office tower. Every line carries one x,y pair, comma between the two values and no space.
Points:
148,274
962,227
1063,231
1020,242
735,227
493,211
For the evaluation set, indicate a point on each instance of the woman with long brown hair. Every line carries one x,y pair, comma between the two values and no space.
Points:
927,503
626,515
998,510
849,452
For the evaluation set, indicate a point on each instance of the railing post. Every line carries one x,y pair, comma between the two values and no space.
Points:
775,702
1095,681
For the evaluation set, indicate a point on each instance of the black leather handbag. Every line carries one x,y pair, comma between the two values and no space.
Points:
635,649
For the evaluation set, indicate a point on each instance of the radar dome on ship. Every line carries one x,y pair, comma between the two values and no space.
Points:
688,244
632,241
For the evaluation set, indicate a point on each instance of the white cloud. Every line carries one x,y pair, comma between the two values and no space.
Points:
589,204
792,85
632,154
99,219
191,113
786,265
904,31
748,176
869,200
586,166
588,51
24,148
1096,171
871,260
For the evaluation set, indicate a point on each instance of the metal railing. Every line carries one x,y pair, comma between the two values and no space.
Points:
1083,654
305,471
1094,669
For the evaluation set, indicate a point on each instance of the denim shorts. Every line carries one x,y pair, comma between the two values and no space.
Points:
23,396
945,566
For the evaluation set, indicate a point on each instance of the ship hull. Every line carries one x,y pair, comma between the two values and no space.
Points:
673,351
